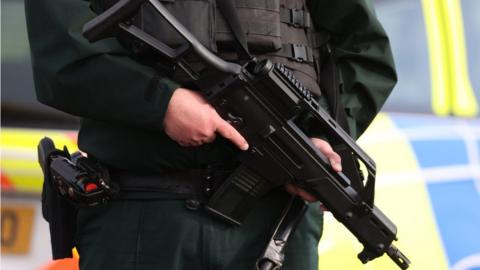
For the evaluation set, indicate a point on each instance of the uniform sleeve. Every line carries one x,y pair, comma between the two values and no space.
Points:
97,81
363,54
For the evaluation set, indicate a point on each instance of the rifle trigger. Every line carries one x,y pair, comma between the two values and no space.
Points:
235,121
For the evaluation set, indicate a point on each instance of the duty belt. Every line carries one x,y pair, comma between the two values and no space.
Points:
194,186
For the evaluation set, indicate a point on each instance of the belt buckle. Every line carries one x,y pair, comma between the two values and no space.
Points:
192,204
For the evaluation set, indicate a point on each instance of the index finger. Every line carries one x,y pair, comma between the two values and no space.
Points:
229,132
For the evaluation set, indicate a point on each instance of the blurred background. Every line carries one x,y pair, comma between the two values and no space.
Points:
426,143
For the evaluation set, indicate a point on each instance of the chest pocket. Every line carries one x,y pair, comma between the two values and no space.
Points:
260,20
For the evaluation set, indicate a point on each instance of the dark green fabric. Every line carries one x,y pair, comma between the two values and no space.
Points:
97,81
147,235
363,54
122,102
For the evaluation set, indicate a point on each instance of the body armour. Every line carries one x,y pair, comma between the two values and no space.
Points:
280,30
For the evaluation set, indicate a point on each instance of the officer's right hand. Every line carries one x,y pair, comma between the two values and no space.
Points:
191,121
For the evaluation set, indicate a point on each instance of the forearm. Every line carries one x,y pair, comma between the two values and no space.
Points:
98,81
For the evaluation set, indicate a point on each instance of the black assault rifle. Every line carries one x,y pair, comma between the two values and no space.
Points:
263,101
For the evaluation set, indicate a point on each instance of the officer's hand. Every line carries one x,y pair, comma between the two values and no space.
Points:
335,162
191,121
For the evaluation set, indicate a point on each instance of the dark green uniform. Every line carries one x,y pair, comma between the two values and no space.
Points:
122,104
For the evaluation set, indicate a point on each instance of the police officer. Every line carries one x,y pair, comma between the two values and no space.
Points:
142,122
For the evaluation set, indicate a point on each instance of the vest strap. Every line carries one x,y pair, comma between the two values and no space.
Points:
296,52
227,9
295,17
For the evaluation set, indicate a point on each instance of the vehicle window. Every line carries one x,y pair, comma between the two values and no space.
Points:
472,38
404,23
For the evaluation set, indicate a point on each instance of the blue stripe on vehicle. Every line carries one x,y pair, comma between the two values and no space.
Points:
456,206
440,152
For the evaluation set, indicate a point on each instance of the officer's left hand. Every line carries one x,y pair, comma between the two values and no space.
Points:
335,162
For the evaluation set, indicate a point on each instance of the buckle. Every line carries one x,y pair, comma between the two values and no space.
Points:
299,52
192,204
299,18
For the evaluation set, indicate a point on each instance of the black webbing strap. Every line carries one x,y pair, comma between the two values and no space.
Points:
228,11
295,17
178,185
296,52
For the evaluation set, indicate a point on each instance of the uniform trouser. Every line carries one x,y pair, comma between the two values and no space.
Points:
164,234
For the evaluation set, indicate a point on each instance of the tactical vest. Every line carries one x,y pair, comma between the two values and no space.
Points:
281,30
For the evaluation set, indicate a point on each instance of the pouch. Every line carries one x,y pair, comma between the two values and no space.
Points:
198,16
260,19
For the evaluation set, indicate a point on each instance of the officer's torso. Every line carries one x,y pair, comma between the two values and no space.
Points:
280,30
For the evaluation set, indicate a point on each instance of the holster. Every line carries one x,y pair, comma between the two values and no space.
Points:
57,211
